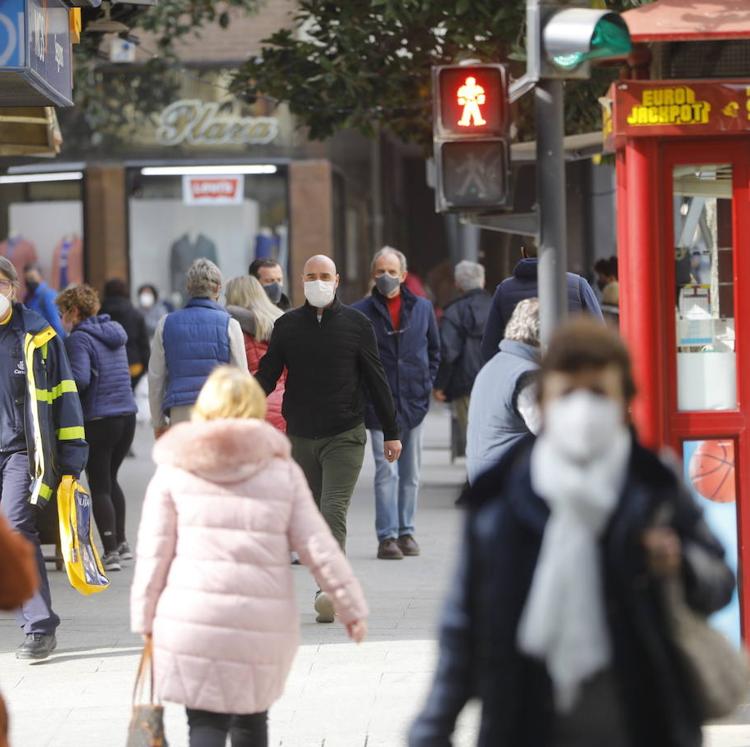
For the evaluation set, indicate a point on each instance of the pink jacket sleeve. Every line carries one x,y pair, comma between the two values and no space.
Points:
157,538
311,538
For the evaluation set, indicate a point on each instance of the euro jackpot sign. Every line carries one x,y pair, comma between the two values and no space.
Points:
674,108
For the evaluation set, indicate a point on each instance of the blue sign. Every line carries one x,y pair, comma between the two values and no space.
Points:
35,53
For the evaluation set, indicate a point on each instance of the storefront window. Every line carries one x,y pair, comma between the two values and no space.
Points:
230,219
41,222
709,471
706,360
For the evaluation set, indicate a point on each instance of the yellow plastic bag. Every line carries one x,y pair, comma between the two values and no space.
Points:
82,563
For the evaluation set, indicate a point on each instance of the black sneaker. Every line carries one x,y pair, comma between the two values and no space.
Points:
111,561
124,551
37,646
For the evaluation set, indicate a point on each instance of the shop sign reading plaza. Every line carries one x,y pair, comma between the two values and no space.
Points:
196,122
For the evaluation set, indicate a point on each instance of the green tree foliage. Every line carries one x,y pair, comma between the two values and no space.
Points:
366,63
110,98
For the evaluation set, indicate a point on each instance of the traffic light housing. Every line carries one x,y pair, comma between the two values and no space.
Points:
471,134
563,41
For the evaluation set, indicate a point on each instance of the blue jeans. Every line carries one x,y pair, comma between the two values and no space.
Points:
396,485
36,615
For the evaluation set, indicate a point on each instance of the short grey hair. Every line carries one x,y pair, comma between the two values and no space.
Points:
389,250
523,325
10,272
469,275
203,279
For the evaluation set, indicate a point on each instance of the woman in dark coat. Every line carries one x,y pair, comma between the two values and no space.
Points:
118,307
96,349
554,621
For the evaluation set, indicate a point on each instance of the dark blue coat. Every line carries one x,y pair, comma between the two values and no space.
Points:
410,356
42,300
523,284
479,656
96,349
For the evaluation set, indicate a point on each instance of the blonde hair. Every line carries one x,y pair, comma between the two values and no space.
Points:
247,292
230,393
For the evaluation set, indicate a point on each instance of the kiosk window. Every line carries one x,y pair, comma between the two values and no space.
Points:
704,293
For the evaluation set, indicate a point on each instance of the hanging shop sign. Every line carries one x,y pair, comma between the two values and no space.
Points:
35,53
196,122
674,108
213,190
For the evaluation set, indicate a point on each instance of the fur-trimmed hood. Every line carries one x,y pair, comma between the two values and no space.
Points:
222,450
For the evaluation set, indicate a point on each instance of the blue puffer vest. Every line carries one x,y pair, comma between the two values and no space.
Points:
196,340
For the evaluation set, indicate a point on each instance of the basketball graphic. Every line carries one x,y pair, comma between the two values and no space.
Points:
712,471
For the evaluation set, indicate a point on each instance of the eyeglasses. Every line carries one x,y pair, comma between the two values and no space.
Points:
5,286
392,332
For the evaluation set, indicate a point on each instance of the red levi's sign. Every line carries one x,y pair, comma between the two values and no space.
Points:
213,190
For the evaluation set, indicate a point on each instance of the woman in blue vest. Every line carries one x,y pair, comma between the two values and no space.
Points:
96,347
41,440
188,345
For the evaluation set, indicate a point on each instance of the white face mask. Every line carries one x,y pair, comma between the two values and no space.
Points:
582,425
319,293
146,300
4,306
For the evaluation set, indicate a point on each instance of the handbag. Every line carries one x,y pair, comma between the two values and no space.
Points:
80,556
147,720
717,672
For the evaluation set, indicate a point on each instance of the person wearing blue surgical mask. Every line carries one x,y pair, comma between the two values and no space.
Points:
409,349
555,620
270,275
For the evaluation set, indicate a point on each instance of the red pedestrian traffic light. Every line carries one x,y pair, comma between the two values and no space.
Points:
471,128
472,99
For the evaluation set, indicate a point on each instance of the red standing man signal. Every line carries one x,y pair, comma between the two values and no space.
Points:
471,96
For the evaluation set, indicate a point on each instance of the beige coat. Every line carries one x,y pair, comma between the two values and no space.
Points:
213,581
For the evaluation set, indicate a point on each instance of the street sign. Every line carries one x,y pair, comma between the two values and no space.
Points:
471,131
35,53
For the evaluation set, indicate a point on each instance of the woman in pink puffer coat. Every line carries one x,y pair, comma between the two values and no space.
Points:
213,584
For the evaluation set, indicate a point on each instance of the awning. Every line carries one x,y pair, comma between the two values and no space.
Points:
689,20
577,147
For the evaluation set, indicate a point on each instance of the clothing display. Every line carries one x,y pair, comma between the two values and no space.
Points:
20,252
183,253
67,262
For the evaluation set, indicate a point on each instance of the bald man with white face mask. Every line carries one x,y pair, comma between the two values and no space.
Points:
331,357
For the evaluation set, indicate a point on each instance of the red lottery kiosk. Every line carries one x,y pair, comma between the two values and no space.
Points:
683,199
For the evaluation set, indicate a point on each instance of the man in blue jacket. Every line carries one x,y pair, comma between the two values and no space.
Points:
523,284
409,345
41,298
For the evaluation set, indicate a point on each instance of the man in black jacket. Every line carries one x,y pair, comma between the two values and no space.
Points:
461,332
331,356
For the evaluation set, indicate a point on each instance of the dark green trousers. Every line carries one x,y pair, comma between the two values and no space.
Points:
331,466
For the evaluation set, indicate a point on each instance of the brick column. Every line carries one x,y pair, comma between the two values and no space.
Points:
106,224
310,218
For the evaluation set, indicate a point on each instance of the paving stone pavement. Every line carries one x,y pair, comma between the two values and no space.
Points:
338,694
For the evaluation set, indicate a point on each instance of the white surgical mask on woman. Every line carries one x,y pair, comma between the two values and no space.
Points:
319,293
4,306
581,425
146,300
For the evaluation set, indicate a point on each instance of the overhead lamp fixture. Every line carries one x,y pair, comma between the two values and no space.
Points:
219,170
51,176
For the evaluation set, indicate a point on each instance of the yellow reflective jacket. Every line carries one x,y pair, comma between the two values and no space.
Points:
55,437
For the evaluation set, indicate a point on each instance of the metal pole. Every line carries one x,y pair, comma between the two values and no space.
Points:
550,171
376,189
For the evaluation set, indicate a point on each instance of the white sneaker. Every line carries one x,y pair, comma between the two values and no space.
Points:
324,608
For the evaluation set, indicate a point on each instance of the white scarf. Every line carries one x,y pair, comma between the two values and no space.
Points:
564,621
